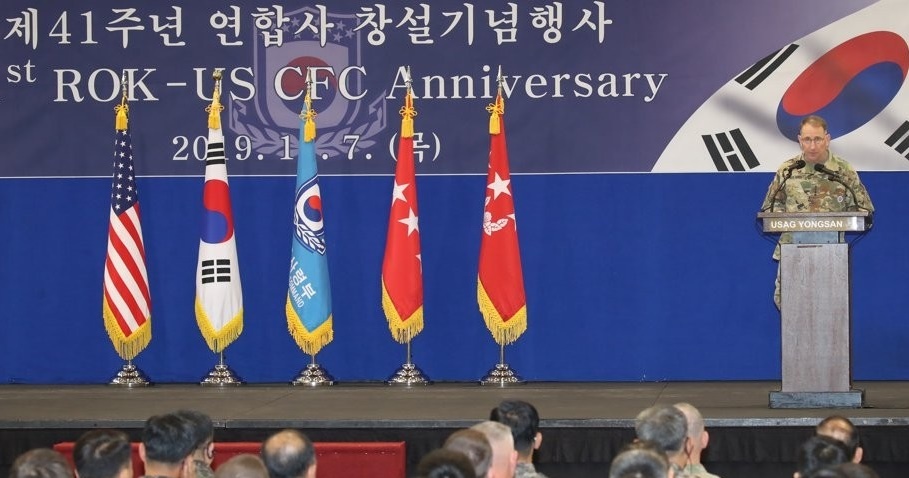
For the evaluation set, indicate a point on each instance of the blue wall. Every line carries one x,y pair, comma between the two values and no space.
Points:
628,276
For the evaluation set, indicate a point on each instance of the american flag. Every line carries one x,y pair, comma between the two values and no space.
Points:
126,298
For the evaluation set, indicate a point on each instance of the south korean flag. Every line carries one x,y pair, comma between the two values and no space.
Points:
851,72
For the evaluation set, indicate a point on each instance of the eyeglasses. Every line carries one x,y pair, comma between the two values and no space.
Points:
814,140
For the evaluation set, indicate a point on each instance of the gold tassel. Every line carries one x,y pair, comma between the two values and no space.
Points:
496,110
407,113
214,110
121,121
127,347
309,117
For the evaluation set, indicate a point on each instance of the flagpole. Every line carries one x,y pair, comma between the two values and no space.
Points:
221,375
129,375
408,374
313,375
501,375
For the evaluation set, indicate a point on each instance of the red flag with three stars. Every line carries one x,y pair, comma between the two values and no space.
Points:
500,282
402,271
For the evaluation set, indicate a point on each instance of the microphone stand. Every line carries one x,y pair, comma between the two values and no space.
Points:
777,192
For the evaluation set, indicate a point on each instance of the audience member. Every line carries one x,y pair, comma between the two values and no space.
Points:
243,465
103,454
641,459
666,427
444,463
504,458
524,421
40,463
204,448
289,454
168,442
844,430
817,452
698,438
474,445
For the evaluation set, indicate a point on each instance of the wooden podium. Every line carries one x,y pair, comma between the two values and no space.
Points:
815,308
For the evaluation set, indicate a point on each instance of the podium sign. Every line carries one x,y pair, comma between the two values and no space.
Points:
815,309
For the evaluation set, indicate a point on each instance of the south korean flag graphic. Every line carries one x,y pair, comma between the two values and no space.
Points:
851,72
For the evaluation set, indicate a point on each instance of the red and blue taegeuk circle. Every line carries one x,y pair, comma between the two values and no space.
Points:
847,86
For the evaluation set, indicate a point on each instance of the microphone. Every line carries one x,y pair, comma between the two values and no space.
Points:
796,165
829,172
788,174
835,177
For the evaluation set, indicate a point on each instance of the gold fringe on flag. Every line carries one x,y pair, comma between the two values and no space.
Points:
503,332
309,342
402,329
407,114
496,110
127,347
218,340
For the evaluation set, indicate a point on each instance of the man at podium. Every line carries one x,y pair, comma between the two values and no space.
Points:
814,181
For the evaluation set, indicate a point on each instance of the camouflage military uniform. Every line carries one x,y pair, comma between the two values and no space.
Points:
526,470
697,471
808,190
203,470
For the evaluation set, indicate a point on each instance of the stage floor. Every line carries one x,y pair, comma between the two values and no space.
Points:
584,424
447,405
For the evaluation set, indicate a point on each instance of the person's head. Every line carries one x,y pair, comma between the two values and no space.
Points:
40,463
474,445
814,139
204,431
504,456
641,459
244,465
444,463
289,454
844,430
816,453
663,425
698,438
524,422
103,454
168,442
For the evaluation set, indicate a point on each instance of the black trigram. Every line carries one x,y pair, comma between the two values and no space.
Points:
728,150
215,271
215,154
899,140
752,77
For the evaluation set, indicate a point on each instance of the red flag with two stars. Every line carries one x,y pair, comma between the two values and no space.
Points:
402,269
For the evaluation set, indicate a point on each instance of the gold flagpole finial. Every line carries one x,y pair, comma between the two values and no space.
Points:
497,108
122,110
308,114
215,108
407,111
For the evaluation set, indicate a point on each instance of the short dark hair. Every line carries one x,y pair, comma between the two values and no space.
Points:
102,453
288,454
444,463
168,438
475,446
523,420
663,425
841,428
641,459
814,120
40,463
819,451
203,427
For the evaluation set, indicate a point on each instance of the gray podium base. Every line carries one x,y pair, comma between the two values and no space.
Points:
850,399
